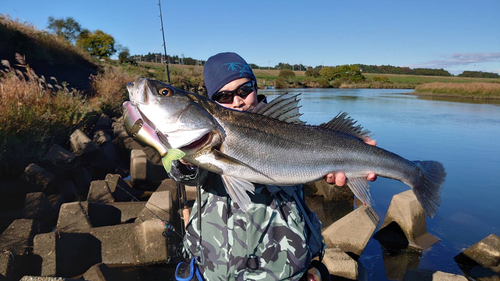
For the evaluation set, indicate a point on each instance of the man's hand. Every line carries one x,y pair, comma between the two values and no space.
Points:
340,179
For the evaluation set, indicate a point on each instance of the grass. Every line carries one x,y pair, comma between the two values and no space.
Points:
471,90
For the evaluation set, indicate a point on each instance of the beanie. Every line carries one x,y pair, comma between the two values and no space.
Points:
223,68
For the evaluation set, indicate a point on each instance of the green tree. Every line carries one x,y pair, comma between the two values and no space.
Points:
68,29
329,73
124,55
98,44
312,72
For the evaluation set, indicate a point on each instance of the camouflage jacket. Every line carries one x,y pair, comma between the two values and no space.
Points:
268,242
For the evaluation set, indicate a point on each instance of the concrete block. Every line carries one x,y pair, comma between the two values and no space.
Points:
138,165
100,137
332,192
82,180
155,170
36,206
81,143
66,254
485,252
120,189
431,275
98,272
39,178
397,263
6,264
329,212
99,192
117,244
481,261
408,214
18,237
68,191
74,217
131,144
104,123
151,245
57,155
160,203
340,264
133,244
352,232
119,131
40,278
129,210
82,216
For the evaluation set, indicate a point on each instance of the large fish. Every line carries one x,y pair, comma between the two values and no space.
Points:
270,145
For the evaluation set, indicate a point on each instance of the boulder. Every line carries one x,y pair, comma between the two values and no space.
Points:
57,155
37,177
81,143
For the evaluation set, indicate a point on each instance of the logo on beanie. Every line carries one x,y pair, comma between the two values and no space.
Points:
237,66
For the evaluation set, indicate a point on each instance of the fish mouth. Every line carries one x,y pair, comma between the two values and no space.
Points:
197,143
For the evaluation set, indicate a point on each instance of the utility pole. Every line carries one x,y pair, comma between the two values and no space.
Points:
164,44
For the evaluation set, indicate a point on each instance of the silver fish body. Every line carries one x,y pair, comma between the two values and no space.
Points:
270,146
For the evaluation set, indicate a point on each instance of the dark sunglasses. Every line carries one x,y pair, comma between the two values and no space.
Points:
242,91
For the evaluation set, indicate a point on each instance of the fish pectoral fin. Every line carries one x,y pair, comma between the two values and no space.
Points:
172,154
237,190
346,124
234,161
361,188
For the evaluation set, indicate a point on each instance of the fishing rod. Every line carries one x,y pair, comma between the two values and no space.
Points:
164,44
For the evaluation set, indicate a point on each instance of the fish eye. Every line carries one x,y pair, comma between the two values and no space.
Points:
165,92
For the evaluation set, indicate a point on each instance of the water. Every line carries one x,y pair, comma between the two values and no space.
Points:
464,136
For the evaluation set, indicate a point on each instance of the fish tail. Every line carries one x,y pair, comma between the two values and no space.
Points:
429,183
172,154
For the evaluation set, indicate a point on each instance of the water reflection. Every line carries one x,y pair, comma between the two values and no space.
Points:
396,263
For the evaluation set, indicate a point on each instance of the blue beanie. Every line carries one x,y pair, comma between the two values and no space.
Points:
223,68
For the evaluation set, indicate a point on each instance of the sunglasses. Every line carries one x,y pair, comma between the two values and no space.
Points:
242,91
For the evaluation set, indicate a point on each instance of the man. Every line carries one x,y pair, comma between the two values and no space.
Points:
278,236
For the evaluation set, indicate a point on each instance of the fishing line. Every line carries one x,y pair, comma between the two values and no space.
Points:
167,225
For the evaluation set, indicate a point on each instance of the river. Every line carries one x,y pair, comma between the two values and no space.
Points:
462,135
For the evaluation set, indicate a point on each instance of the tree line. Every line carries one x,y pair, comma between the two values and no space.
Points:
101,44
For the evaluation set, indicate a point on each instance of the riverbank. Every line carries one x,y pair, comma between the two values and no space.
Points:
461,90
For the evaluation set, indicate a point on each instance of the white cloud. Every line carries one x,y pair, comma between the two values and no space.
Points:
459,59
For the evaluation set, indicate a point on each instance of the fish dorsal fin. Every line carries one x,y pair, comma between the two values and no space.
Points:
237,190
361,188
346,124
284,108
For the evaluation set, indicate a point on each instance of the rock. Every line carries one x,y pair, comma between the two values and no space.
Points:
36,206
131,144
57,155
431,275
129,210
99,192
66,254
138,165
103,140
352,232
405,215
38,178
340,264
18,237
81,144
68,191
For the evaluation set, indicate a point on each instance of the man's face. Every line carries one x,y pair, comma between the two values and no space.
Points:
239,103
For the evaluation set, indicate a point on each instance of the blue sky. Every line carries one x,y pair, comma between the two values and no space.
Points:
454,35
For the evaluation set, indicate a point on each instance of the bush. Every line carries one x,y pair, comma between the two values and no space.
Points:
381,79
311,72
286,73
